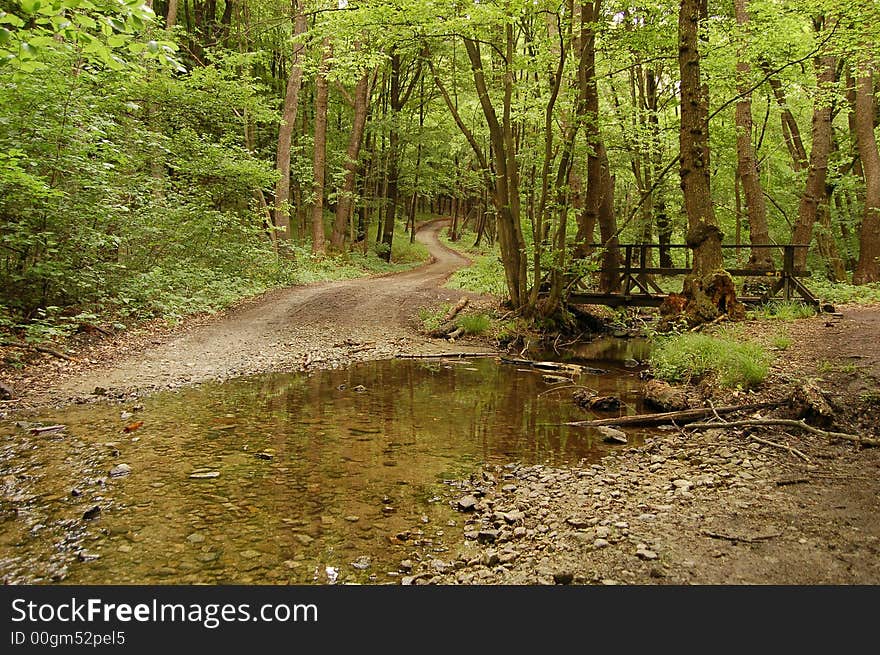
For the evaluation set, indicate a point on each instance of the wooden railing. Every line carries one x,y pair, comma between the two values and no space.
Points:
638,288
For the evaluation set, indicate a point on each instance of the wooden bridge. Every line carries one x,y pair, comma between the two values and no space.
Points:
638,288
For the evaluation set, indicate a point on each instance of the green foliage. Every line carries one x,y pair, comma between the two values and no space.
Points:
484,275
476,323
784,310
432,318
846,294
692,357
780,341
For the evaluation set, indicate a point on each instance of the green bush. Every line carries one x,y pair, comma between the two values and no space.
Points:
692,357
846,294
474,323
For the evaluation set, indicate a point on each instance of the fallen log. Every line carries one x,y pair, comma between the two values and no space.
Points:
865,441
442,355
684,416
41,349
573,369
452,313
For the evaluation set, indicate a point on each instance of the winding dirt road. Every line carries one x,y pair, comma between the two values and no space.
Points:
323,325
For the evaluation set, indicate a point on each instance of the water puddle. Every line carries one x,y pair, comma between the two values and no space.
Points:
333,476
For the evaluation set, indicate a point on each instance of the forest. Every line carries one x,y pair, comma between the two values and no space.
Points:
168,157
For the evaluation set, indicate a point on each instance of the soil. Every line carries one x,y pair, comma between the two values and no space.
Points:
720,506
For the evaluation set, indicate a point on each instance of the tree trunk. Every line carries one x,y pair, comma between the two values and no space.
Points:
599,205
707,288
171,16
756,208
288,121
814,191
391,197
319,159
868,269
346,193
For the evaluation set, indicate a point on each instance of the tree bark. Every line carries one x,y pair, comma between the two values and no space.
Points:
288,122
171,16
599,205
868,269
756,208
319,160
815,191
709,290
346,194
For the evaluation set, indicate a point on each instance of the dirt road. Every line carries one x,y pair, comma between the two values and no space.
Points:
321,325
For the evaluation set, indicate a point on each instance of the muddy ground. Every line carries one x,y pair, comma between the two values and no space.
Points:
721,506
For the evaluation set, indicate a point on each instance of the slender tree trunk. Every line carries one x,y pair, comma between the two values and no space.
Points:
171,16
790,131
868,269
756,208
814,191
346,194
288,122
319,160
599,206
391,198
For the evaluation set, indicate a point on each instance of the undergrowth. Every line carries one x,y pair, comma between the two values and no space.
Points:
691,358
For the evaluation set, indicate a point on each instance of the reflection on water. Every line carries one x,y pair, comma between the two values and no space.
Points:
277,478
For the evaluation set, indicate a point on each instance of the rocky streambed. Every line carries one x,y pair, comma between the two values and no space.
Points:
716,507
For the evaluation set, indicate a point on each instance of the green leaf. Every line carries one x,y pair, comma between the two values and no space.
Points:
5,36
10,19
30,6
153,47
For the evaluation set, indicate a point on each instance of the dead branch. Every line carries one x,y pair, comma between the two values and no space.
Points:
748,540
782,446
442,355
452,313
41,349
791,423
684,416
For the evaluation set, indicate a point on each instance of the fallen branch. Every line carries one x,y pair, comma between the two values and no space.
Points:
452,313
791,423
683,416
782,446
748,540
41,349
442,355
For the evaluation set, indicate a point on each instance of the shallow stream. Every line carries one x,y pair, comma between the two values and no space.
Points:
322,477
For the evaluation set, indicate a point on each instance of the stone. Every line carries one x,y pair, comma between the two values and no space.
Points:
406,565
487,536
645,553
612,435
508,488
120,470
490,558
304,539
513,517
600,543
204,475
91,513
563,576
362,563
604,403
249,554
467,503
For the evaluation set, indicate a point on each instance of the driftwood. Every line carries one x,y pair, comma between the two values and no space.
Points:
571,369
447,326
758,422
684,416
441,355
747,540
41,349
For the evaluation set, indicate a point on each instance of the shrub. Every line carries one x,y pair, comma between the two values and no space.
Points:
474,323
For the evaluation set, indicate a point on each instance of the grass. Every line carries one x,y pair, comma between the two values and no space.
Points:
780,341
783,310
485,274
693,357
474,324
